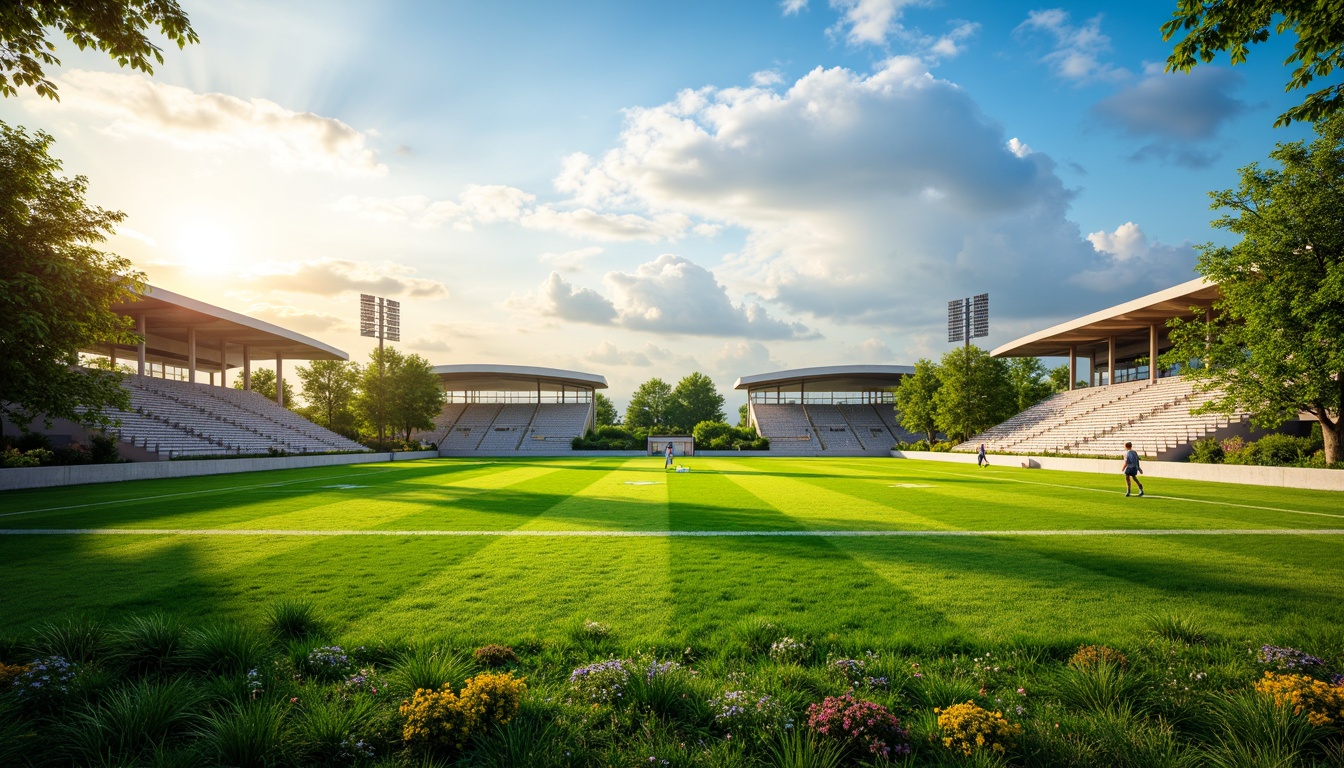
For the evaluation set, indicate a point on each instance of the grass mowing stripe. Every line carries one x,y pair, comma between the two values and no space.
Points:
666,534
199,492
1146,495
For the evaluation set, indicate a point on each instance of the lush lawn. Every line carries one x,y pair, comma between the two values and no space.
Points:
887,590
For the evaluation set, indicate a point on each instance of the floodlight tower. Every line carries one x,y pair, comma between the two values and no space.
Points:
968,319
381,319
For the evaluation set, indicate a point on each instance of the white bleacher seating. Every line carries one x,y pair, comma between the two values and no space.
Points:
555,426
831,427
470,427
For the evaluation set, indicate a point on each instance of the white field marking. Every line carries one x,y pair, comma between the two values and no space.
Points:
344,487
665,534
197,493
1146,495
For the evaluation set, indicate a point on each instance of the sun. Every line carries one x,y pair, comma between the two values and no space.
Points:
205,244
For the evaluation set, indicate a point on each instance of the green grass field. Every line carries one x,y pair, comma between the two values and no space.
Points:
515,549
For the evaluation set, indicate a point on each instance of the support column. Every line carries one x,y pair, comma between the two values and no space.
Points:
112,355
247,369
1110,360
279,379
223,363
1152,352
140,347
191,355
1073,366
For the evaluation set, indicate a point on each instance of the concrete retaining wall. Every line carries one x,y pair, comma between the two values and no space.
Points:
45,477
1285,477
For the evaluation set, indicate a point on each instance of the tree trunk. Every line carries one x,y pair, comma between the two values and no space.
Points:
1330,434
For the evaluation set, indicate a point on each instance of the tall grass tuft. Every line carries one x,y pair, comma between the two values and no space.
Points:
10,649
294,620
1104,687
1177,629
431,668
526,740
938,690
131,721
326,723
1251,731
147,644
78,639
247,735
227,649
797,750
12,728
757,635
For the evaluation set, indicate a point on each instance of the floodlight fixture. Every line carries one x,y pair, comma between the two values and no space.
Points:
968,319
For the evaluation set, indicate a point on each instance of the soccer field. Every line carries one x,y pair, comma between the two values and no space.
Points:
502,550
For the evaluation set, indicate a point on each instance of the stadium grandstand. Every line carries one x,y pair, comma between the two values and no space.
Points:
1127,397
841,410
504,409
181,400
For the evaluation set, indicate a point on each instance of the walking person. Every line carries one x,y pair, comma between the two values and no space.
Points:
1132,470
668,463
980,459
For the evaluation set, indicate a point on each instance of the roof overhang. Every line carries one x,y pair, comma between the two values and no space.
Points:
169,317
831,378
1132,318
484,377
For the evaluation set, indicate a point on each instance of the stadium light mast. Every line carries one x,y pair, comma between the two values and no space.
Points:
381,319
968,319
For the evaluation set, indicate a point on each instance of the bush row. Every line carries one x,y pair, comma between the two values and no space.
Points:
1276,450
34,449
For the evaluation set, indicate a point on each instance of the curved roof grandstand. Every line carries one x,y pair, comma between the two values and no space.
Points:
830,378
183,332
472,377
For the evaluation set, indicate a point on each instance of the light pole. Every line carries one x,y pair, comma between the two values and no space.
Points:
381,319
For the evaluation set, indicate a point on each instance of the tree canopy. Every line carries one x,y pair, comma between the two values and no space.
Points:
915,401
694,399
406,397
56,289
1211,27
648,405
1030,381
605,411
116,27
1274,345
975,394
263,383
330,387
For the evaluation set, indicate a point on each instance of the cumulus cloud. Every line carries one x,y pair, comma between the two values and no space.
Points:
868,22
570,261
876,351
1076,50
1130,260
1177,111
331,277
559,298
607,353
862,197
742,358
297,318
953,43
135,105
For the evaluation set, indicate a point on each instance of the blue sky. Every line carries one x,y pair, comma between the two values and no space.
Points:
648,189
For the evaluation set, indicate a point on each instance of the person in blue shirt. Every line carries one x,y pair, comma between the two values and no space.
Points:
980,458
668,453
1132,470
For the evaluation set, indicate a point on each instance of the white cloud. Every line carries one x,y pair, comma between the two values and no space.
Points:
557,297
766,78
607,353
869,21
953,43
876,351
1076,52
1129,260
570,261
1178,113
425,344
135,105
791,7
331,277
1019,147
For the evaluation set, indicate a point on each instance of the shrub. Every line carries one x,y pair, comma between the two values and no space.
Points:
132,720
103,448
1089,656
293,620
12,459
79,639
433,718
73,454
491,699
747,713
247,735
147,643
968,728
1207,451
1322,703
227,649
45,680
859,723
493,655
8,673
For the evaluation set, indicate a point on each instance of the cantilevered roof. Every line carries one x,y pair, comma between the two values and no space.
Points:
168,316
831,378
1131,318
489,377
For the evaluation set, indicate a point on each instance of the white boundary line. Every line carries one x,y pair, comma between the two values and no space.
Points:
668,534
1146,495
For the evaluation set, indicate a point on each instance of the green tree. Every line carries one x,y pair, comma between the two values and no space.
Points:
605,410
329,387
1274,345
975,392
116,27
1030,381
263,383
1212,27
695,399
648,405
417,395
57,289
915,399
